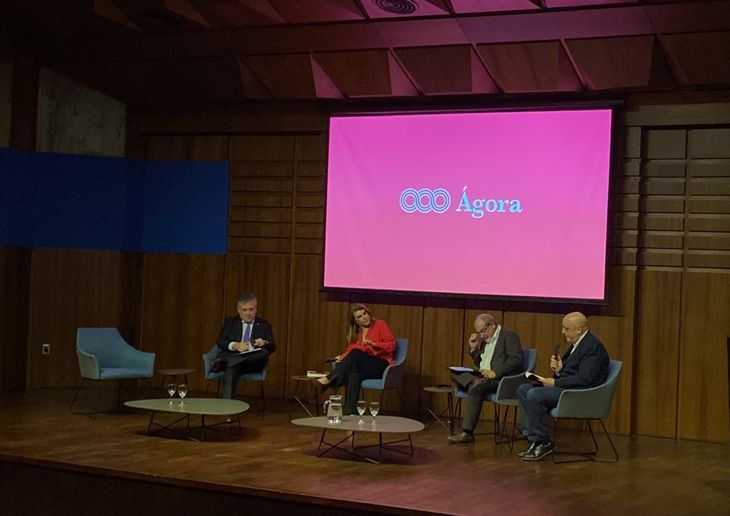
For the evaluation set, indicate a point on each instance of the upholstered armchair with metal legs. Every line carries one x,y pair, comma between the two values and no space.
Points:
506,396
104,355
589,405
393,374
258,376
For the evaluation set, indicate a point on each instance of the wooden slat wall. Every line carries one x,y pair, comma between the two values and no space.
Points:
683,250
668,275
14,292
70,289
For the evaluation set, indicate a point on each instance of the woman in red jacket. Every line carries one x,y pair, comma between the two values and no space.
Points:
370,348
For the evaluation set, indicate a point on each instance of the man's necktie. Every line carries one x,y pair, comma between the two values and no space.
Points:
247,332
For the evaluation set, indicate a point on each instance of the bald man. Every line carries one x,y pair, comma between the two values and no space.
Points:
583,365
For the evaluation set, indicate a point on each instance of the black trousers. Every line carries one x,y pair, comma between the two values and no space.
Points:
354,368
477,389
237,365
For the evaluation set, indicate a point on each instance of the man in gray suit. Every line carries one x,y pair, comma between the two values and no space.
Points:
496,352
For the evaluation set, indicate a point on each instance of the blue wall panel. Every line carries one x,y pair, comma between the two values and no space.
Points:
87,202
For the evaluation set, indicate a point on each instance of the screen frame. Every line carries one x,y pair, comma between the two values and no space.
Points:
612,105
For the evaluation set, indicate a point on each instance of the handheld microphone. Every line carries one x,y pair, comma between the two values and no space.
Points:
556,352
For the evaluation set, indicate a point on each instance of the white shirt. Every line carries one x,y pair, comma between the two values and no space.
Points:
486,363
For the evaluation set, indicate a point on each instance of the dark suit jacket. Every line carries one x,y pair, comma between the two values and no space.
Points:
233,329
507,358
586,367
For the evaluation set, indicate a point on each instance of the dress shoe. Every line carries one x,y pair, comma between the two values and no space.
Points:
533,445
461,438
540,451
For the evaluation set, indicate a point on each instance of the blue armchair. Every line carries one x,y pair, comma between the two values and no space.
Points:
258,376
104,355
506,395
393,374
588,404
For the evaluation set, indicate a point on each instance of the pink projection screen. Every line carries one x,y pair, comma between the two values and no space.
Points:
504,204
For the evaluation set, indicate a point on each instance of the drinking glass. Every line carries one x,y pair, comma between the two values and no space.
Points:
374,409
182,390
171,388
361,406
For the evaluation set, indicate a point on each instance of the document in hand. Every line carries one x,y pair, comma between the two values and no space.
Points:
461,369
253,350
532,376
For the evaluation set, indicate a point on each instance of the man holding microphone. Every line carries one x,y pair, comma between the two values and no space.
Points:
583,365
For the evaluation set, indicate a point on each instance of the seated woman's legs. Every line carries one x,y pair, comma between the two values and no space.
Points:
351,371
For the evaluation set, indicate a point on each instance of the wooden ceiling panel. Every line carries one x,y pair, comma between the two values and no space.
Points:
489,6
366,73
614,63
163,15
699,59
108,10
536,26
404,8
238,13
285,76
446,70
135,82
583,3
530,67
167,51
218,79
315,11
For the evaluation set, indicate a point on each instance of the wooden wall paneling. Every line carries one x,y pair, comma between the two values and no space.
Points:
267,276
167,147
69,289
540,331
262,192
614,324
318,323
14,306
310,179
657,353
703,360
208,148
131,277
182,303
442,346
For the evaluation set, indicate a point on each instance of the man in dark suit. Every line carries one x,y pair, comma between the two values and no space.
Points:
245,341
496,352
584,365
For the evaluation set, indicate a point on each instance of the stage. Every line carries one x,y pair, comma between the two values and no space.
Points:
55,462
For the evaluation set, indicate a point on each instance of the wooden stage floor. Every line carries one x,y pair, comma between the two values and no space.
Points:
275,460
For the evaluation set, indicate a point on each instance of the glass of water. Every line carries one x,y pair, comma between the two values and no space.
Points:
374,409
171,389
361,406
182,390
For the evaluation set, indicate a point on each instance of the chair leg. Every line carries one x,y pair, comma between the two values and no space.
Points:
590,455
76,395
96,404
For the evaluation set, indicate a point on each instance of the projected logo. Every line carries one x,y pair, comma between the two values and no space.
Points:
425,200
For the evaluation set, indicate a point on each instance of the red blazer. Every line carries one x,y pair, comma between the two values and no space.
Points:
383,338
